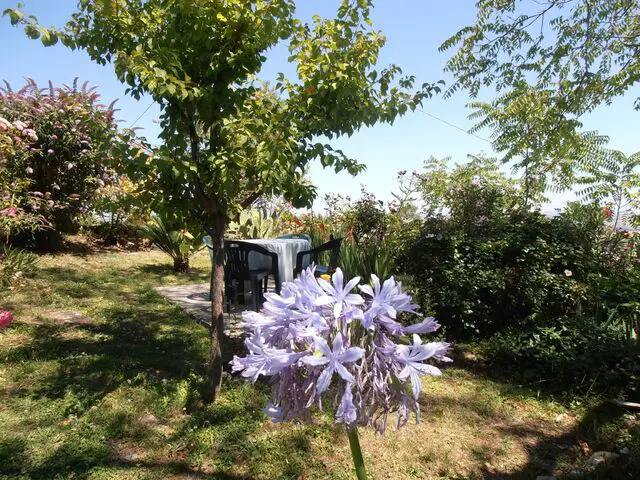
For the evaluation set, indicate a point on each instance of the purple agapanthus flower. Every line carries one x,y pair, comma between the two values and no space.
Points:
412,358
334,361
315,329
264,359
346,410
338,295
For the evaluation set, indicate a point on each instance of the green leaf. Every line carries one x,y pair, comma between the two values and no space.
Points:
14,15
49,38
32,31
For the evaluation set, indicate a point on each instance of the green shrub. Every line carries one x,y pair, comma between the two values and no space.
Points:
578,355
490,262
69,141
117,212
524,268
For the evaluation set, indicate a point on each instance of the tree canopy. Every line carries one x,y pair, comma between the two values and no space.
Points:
586,51
228,136
551,62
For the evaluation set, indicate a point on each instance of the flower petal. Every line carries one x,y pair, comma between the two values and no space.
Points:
324,379
352,354
344,373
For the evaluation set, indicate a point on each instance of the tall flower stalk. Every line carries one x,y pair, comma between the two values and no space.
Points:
324,345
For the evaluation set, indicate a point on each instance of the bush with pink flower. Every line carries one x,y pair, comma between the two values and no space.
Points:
57,147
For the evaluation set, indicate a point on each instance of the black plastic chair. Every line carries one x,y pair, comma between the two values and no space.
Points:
236,268
332,246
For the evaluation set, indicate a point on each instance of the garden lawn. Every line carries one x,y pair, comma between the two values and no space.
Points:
115,393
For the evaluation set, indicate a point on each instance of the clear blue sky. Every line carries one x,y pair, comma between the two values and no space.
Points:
414,30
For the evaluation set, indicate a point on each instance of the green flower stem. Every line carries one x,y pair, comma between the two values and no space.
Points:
356,453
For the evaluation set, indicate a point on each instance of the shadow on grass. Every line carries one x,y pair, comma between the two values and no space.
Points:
99,357
136,345
563,455
194,273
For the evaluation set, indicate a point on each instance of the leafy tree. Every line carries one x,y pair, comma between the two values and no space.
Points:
551,61
228,137
584,52
615,180
521,121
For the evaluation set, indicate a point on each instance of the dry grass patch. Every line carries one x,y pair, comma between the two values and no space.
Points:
467,427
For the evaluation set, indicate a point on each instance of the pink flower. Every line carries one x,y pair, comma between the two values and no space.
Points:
50,151
5,125
10,211
30,134
5,319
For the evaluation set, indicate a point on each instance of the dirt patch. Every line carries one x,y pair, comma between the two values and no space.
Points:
69,317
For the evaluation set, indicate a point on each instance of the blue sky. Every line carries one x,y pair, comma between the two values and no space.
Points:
414,30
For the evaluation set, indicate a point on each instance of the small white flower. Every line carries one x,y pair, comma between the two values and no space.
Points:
568,273
19,125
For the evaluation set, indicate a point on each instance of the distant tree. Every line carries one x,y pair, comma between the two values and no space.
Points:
433,183
404,206
473,192
537,139
584,52
230,138
551,62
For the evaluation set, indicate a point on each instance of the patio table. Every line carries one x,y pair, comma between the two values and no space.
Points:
287,250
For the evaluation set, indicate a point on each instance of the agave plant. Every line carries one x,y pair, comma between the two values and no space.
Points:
179,244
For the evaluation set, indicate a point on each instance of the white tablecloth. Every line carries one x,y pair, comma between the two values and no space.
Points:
287,250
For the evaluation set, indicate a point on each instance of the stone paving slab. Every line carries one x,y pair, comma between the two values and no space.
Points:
194,299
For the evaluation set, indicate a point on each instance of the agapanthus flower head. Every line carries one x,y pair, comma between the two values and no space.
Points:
323,344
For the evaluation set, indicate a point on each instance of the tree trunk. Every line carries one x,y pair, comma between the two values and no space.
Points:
217,309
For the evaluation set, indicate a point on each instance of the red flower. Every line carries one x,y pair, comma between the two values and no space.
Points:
5,319
297,222
608,212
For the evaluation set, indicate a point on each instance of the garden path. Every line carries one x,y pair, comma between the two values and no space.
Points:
194,300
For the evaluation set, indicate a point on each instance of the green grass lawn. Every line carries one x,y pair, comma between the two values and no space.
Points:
116,394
